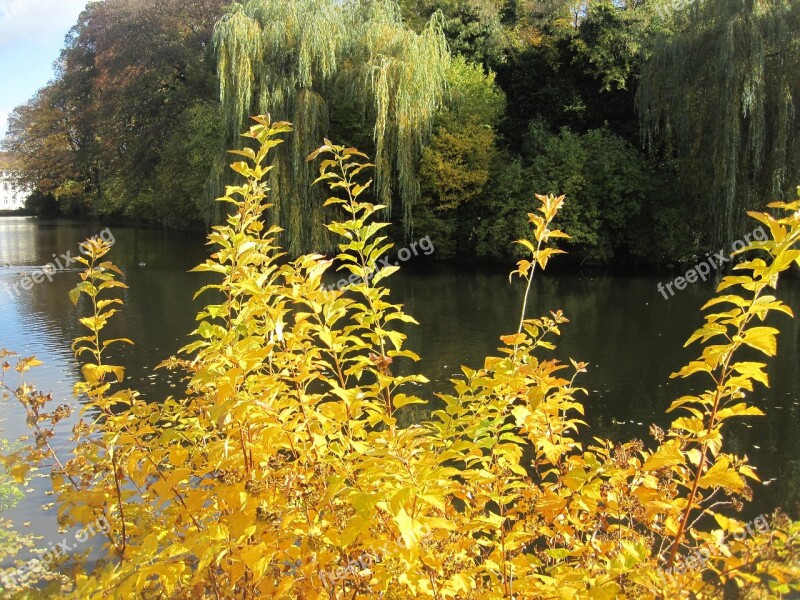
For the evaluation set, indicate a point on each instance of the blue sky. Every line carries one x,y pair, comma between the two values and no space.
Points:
31,36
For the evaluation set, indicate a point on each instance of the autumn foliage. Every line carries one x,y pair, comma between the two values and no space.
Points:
283,472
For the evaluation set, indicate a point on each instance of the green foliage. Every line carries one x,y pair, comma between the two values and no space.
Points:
670,229
498,223
472,96
147,95
575,64
333,50
606,180
609,43
41,205
284,464
721,94
172,73
456,165
475,29
192,149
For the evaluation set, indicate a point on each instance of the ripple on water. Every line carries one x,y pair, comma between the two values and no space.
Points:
30,332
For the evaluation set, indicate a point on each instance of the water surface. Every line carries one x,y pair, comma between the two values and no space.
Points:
622,326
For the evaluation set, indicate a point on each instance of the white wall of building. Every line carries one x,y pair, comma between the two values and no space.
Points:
11,196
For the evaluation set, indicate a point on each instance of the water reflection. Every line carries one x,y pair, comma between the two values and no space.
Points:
41,320
633,340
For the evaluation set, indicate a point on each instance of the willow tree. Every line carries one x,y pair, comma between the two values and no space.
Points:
721,92
303,61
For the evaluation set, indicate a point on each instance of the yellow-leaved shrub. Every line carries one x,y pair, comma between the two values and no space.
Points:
283,472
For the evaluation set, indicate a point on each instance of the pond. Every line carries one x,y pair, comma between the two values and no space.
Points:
631,336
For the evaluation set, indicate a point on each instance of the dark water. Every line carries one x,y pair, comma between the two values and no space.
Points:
631,336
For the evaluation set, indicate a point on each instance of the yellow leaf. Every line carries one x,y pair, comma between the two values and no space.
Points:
681,401
20,472
739,410
752,370
177,456
748,472
513,340
401,400
409,529
721,475
666,456
693,367
27,363
255,557
763,339
724,522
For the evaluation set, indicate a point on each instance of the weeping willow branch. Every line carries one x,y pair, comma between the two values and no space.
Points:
300,61
721,93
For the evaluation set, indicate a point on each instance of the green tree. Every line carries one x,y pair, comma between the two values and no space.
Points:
497,223
610,42
152,62
192,148
297,60
721,93
575,66
457,164
476,29
605,179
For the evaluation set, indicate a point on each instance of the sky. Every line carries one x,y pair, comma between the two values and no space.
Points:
31,37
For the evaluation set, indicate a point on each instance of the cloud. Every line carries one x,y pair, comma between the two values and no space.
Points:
26,19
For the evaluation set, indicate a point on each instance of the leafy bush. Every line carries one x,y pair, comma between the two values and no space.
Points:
457,163
284,473
499,221
13,543
607,181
